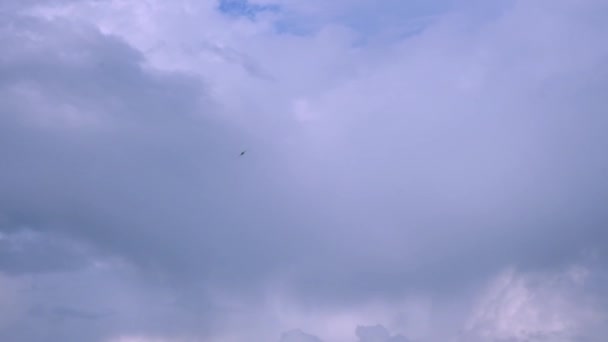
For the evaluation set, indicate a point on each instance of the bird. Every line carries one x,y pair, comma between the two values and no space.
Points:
242,153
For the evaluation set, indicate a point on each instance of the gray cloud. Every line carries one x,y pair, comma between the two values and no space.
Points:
377,333
62,312
298,336
419,166
27,251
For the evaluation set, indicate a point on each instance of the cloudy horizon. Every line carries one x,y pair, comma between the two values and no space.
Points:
414,171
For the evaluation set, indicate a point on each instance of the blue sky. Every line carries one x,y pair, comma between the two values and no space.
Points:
415,171
244,8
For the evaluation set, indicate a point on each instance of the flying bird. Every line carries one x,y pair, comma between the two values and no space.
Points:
242,153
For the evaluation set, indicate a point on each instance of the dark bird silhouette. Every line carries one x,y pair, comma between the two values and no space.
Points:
242,153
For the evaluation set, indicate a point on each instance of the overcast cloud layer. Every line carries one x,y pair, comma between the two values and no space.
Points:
416,171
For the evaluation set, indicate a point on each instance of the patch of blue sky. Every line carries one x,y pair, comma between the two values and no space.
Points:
389,19
393,15
295,27
243,8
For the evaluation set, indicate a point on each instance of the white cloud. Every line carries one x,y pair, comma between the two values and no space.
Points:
536,307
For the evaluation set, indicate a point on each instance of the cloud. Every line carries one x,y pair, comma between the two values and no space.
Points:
377,333
392,169
298,336
26,251
537,307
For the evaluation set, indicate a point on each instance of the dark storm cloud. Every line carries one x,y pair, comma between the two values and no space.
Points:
101,150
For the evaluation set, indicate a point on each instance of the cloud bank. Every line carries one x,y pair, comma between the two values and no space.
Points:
418,171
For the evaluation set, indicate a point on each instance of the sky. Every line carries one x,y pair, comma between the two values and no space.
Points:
415,171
